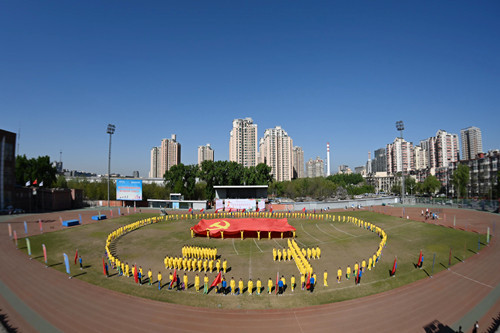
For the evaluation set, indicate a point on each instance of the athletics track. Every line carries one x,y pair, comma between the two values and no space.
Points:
33,298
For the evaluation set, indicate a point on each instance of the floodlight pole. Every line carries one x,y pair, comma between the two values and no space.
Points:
110,130
400,127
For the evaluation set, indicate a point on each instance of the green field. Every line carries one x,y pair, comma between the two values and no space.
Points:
341,244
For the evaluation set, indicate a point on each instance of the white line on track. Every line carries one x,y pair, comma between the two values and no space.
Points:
298,322
304,245
468,278
309,233
257,245
234,247
345,232
277,243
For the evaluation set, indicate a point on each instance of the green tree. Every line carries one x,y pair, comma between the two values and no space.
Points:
181,178
460,179
431,184
39,169
61,182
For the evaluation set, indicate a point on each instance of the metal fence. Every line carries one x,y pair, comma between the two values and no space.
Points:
477,204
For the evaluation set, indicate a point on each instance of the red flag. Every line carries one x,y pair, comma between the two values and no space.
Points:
218,279
174,279
136,276
304,210
277,281
202,210
35,182
271,209
419,259
394,266
216,211
76,255
308,283
190,210
104,267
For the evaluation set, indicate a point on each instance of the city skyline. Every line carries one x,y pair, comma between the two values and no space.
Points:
338,73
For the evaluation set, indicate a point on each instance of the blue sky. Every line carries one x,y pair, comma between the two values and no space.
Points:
337,71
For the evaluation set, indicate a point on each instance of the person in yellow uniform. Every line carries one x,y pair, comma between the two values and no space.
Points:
259,286
318,252
170,278
189,264
185,281
325,278
165,261
339,275
170,262
205,265
150,277
197,283
240,287
269,285
285,255
141,274
224,266
205,284
217,265
356,267
250,286
159,280
363,266
279,255
303,281
210,265
313,253
309,253
370,261
194,264
292,282
232,286
127,269
289,254
315,278
284,282
374,259
200,265
348,272
184,264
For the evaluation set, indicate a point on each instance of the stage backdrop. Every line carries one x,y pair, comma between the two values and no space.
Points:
234,226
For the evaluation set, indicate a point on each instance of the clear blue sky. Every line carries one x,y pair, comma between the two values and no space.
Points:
337,71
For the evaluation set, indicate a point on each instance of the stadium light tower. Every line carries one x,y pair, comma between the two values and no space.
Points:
110,131
400,126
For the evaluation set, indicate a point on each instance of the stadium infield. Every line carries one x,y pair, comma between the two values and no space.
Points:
297,319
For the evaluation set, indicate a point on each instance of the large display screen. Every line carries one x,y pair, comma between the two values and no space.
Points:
129,189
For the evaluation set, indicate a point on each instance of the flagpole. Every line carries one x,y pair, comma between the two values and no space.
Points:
110,130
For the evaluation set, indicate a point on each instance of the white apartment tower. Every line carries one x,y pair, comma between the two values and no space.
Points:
170,154
243,142
298,162
442,149
276,150
155,163
205,153
315,168
400,156
472,142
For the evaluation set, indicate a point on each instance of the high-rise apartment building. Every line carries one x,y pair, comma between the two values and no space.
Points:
298,162
400,156
472,142
344,169
442,149
205,153
7,168
421,155
275,150
243,142
315,168
379,162
155,163
170,154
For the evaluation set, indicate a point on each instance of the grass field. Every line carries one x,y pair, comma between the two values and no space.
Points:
341,244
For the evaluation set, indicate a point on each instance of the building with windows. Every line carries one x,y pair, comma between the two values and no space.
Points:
276,150
472,142
298,162
442,149
400,156
170,154
243,142
379,162
315,168
205,153
344,169
155,163
7,168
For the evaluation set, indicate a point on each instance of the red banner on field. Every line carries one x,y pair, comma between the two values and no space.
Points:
235,226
